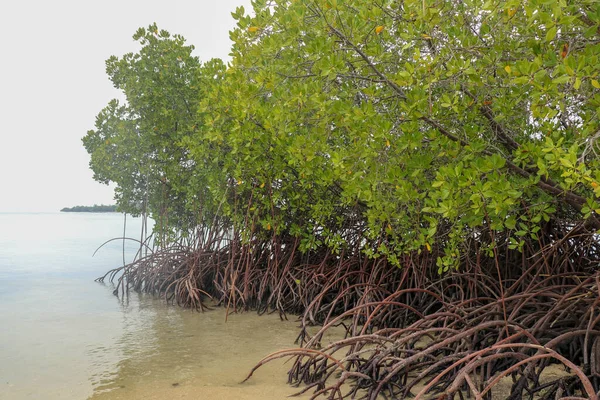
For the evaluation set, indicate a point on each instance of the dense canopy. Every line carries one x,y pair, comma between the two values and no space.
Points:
408,125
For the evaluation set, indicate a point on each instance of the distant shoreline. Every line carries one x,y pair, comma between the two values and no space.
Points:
92,209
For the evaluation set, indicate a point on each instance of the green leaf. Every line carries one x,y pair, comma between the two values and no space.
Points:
561,79
551,34
565,162
510,222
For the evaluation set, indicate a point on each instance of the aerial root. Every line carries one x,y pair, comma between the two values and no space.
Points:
407,331
465,347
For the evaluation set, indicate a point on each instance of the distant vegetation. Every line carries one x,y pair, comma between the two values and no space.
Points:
95,208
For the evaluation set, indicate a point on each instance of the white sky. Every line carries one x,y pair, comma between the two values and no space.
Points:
53,83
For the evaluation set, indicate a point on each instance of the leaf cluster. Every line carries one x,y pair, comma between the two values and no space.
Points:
381,127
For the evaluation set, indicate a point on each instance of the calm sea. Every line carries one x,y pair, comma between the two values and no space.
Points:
64,336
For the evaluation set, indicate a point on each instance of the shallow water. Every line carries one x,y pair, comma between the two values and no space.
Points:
63,336
185,354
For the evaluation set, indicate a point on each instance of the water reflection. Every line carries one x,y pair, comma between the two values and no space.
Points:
51,310
167,351
63,336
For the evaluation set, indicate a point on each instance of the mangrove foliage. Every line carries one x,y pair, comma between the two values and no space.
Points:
424,173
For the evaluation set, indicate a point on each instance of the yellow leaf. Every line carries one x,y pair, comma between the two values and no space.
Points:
511,11
425,36
262,185
253,29
595,84
428,246
507,69
268,227
379,29
389,227
387,143
239,182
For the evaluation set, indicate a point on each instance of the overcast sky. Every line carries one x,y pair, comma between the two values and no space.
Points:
53,83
